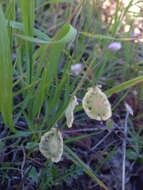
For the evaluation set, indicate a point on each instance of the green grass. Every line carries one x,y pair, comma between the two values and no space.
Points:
35,69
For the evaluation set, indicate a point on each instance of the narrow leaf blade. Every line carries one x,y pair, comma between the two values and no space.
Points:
5,74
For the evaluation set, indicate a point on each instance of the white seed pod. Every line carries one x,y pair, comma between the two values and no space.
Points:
96,104
51,145
69,112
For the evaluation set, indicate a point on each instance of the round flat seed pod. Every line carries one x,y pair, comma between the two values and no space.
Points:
69,113
51,145
96,104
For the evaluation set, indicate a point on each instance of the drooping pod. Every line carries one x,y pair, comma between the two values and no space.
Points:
51,145
69,112
96,104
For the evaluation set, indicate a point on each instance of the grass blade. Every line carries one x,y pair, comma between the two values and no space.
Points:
104,37
87,169
27,8
5,74
124,86
68,34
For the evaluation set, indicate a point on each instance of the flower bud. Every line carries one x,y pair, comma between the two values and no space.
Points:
115,46
76,68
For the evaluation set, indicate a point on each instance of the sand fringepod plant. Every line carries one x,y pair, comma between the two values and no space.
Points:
51,145
69,112
96,104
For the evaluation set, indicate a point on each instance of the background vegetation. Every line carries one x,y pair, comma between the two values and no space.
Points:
40,42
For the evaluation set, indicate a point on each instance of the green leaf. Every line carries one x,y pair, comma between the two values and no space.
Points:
5,74
79,138
103,37
50,71
109,124
68,34
27,8
34,175
19,26
40,94
10,12
131,155
124,86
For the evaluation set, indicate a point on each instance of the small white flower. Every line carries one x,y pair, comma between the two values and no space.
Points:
115,46
76,68
129,109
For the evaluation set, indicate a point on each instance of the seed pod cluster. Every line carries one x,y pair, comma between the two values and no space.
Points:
96,105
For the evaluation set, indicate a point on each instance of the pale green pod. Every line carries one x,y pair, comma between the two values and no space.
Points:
69,113
96,104
51,145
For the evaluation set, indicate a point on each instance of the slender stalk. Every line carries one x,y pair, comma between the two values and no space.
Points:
124,153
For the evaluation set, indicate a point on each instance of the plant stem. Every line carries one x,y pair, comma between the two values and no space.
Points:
124,153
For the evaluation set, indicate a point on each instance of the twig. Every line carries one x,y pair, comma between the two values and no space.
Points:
101,141
85,130
23,163
22,166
